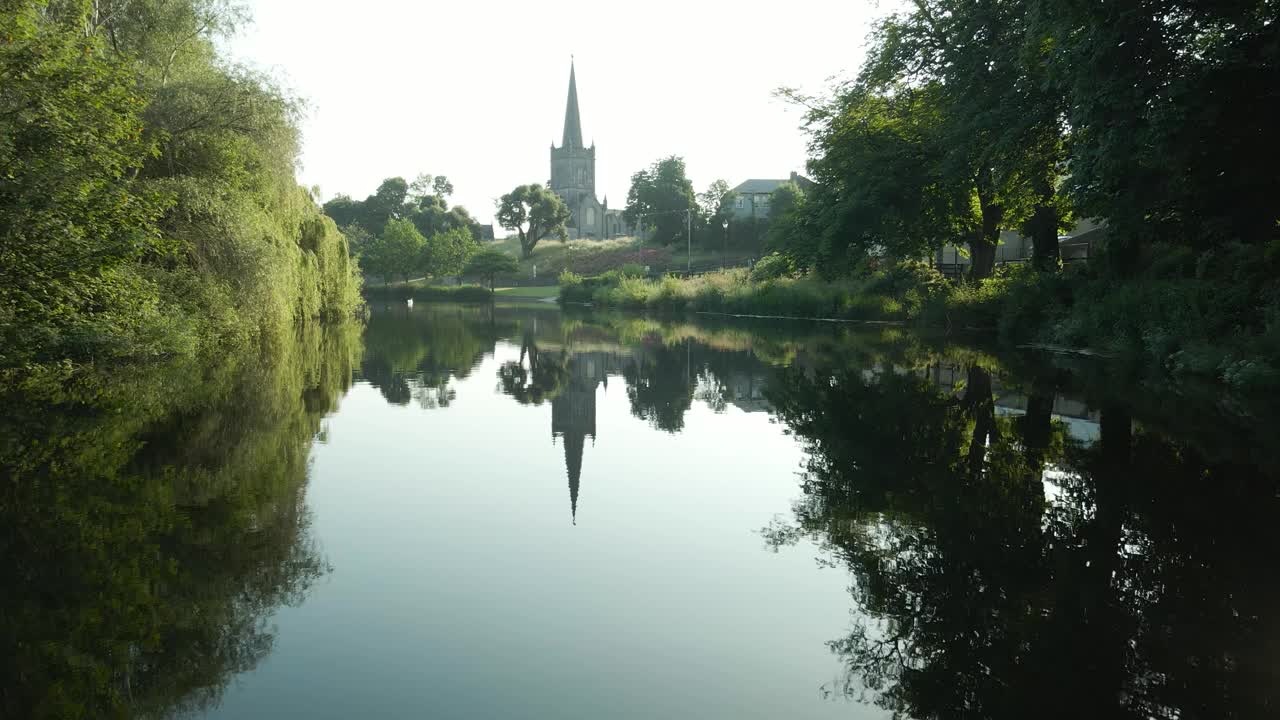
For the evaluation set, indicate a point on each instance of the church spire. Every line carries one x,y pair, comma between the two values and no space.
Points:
572,123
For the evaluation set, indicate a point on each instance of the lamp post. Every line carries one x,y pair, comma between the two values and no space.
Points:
688,236
724,247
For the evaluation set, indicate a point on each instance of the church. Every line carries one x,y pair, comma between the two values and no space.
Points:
573,178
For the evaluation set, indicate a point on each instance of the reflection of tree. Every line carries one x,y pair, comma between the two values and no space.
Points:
1135,592
153,520
660,386
537,376
414,355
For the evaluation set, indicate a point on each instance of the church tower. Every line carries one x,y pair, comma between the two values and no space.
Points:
573,171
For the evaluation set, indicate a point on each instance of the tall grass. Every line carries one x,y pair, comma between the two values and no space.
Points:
1215,316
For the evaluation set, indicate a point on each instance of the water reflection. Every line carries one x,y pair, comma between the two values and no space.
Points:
414,356
152,520
1025,538
1003,563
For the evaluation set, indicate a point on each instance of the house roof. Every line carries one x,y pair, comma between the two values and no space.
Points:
759,185
753,186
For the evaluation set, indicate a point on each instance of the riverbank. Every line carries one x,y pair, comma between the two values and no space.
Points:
427,293
1218,319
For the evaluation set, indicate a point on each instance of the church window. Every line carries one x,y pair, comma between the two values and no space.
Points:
590,217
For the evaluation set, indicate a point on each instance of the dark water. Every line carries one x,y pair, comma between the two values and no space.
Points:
507,512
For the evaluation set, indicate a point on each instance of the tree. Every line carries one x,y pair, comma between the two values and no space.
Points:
488,264
713,201
1172,108
785,199
446,253
148,198
346,212
534,212
433,215
882,184
788,222
659,197
358,239
72,212
424,202
386,203
397,251
426,186
442,187
954,120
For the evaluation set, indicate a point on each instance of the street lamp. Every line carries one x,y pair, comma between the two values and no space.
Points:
688,236
724,247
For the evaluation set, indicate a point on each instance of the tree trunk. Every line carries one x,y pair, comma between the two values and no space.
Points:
1044,229
526,243
982,256
982,250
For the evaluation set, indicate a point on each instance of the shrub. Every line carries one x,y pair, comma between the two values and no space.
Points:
772,267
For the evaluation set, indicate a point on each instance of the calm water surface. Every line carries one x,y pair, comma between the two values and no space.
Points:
514,512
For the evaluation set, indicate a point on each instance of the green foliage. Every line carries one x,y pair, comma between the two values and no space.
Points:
396,251
884,187
73,216
659,197
1171,103
772,267
446,253
424,202
489,264
716,202
149,201
534,212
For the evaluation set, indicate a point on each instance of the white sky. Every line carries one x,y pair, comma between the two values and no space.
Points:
475,90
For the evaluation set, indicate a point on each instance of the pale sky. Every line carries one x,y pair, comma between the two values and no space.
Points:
476,90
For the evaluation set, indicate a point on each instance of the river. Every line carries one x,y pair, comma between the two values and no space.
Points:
518,512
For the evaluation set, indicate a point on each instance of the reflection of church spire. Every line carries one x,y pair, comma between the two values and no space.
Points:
573,418
573,445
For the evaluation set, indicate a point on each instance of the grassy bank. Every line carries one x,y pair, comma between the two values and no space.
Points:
884,296
421,292
1217,318
594,257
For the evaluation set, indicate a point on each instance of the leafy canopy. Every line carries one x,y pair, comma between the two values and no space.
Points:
534,212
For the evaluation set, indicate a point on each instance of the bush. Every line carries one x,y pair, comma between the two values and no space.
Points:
772,267
632,269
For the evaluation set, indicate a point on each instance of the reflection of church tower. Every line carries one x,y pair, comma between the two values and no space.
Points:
573,417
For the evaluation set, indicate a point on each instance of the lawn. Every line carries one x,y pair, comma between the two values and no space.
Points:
539,292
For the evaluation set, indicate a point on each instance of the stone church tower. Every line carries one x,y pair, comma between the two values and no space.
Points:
573,177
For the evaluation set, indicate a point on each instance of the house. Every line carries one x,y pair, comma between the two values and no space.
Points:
752,197
1016,247
484,233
